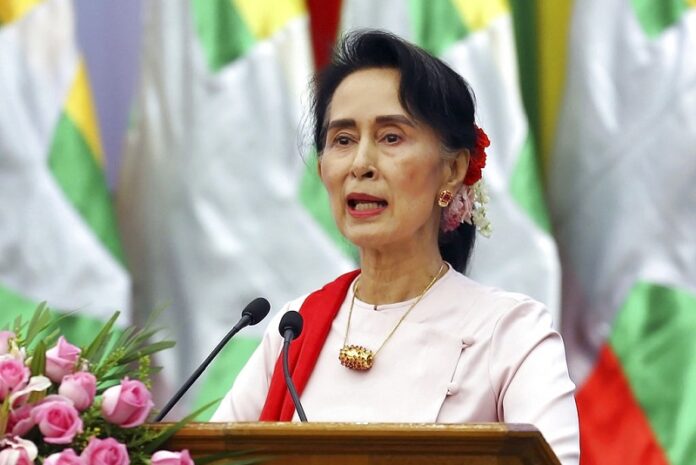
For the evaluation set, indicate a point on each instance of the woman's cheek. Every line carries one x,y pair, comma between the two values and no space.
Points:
333,185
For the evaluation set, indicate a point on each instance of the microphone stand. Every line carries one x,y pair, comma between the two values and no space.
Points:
288,337
243,322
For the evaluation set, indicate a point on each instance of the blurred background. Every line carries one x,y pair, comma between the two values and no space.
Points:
155,154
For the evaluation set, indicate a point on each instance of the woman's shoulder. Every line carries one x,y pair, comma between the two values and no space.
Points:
493,305
487,294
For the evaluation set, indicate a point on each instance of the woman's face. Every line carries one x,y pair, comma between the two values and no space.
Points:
382,169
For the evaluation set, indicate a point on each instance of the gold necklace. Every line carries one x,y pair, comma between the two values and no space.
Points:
361,358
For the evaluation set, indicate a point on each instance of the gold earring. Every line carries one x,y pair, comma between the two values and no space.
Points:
445,198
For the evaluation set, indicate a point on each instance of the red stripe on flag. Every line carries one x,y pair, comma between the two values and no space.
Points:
324,16
613,427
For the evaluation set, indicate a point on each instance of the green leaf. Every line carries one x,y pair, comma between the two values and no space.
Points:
138,340
17,326
141,336
154,315
4,415
100,339
147,329
116,373
98,355
147,350
155,369
38,361
51,338
39,321
125,335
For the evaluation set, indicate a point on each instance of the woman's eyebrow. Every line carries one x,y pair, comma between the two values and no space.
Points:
395,119
345,123
341,124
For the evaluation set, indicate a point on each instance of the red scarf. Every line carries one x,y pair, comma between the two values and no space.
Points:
318,311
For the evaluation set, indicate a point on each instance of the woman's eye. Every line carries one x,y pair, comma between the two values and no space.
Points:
392,138
342,140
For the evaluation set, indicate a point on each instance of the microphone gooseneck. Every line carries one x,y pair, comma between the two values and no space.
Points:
290,328
254,312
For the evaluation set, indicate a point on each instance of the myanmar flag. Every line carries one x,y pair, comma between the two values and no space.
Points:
209,195
58,241
623,197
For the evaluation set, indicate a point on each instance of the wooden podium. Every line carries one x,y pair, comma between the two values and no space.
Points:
383,444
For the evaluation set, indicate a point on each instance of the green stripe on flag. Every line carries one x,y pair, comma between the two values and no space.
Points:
653,336
525,23
526,185
315,199
83,182
77,328
222,31
657,15
436,24
222,372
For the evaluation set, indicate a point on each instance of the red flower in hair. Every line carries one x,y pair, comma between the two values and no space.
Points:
477,161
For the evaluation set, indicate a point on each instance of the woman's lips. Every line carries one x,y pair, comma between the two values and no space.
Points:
365,205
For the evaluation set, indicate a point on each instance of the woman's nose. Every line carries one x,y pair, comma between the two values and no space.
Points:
363,163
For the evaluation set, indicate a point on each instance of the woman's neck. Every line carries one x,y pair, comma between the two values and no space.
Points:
388,277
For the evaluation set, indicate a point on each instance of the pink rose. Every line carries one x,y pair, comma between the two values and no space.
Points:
13,375
80,388
105,452
165,457
61,360
17,451
20,421
15,457
64,457
5,337
58,420
128,404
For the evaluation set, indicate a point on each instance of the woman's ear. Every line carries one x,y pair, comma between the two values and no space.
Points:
319,167
457,168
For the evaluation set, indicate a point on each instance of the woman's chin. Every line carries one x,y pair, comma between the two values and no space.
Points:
365,237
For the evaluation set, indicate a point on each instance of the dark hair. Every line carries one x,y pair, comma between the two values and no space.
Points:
429,90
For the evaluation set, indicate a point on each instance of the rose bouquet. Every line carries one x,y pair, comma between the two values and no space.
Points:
66,405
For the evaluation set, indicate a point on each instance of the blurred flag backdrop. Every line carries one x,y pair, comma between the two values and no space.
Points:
58,235
591,109
208,197
215,138
623,191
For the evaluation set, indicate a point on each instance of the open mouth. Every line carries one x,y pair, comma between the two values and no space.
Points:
364,205
363,202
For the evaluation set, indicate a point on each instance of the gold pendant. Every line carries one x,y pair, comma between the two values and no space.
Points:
356,357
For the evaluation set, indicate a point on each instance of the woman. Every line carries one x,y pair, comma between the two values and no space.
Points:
408,338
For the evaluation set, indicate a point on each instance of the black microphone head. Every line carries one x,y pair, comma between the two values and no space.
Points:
291,320
257,310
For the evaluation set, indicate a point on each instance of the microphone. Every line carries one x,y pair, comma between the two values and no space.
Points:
290,328
254,312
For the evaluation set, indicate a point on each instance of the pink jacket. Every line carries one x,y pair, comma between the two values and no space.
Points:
466,353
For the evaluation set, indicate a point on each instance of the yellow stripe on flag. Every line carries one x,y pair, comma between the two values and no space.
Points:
553,22
12,10
691,3
478,14
265,17
80,109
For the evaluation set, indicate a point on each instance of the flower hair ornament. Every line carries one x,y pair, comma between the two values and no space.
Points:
468,204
